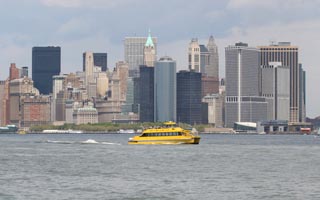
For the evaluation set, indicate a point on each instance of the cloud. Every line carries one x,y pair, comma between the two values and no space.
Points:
248,4
273,4
85,3
77,27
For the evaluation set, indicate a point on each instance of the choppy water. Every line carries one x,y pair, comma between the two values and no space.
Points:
105,167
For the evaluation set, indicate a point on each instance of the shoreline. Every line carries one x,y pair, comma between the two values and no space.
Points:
200,133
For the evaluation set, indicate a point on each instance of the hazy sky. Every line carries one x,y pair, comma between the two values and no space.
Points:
101,25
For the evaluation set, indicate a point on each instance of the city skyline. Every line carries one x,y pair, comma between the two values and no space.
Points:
62,23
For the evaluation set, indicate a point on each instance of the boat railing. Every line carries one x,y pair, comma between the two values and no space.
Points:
194,132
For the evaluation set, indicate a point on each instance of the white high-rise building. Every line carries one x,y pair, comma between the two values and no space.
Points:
275,87
88,67
204,59
243,103
194,55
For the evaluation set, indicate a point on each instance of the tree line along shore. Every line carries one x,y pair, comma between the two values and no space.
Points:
110,127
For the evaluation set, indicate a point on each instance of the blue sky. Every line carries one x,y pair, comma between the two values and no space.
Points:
101,25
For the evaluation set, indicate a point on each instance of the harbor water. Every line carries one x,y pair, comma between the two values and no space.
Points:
103,166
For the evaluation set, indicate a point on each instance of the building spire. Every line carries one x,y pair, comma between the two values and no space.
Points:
149,40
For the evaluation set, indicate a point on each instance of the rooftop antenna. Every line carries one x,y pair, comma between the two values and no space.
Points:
272,42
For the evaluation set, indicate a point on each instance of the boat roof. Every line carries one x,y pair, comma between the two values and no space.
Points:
169,123
161,129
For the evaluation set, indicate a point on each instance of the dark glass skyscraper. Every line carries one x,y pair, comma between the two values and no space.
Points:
189,97
146,93
46,62
99,59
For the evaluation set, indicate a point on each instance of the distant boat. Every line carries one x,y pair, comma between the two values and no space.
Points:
9,129
62,131
126,131
22,132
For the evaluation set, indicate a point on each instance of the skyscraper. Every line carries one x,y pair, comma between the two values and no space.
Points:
302,100
128,106
149,52
146,94
58,87
165,88
194,55
89,75
287,54
204,59
99,60
243,103
122,70
46,62
88,67
275,85
189,97
134,52
212,69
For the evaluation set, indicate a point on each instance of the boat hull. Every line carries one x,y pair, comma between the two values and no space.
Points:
193,140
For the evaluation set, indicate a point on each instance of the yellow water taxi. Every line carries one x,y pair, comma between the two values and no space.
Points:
22,132
169,133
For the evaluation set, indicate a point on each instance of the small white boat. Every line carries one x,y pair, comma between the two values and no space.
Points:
126,131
